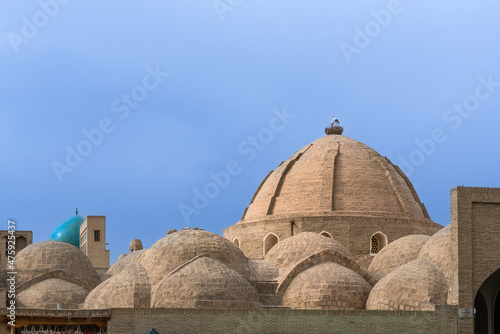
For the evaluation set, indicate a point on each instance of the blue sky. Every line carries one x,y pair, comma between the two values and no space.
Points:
419,81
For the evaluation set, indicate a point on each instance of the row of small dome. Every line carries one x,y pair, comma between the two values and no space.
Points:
195,268
418,274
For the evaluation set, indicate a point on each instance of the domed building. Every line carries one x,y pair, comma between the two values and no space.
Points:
336,186
335,239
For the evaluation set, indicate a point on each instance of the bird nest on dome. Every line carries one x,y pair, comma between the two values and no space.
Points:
334,129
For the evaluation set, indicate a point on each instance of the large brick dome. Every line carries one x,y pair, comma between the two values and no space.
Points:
335,185
336,174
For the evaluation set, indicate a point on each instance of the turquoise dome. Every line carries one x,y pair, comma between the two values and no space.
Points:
68,231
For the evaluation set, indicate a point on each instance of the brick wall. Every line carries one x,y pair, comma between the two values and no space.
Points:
475,229
138,321
354,232
96,250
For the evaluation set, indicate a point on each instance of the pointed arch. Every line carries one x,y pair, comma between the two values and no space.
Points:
378,241
487,305
326,234
236,242
270,240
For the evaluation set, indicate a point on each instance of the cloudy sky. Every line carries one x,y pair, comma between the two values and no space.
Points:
129,109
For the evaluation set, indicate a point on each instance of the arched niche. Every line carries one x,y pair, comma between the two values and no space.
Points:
377,242
269,241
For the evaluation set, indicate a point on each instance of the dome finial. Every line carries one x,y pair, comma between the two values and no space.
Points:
334,129
77,211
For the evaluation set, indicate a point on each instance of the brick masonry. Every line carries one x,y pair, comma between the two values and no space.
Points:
475,235
275,321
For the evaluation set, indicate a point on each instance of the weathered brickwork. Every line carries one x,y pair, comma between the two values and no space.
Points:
177,248
340,171
327,286
294,249
122,262
129,288
475,235
398,253
208,283
165,321
416,286
438,252
262,270
47,256
353,232
50,292
365,260
326,255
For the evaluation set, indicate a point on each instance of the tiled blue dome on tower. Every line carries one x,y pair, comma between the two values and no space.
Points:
69,231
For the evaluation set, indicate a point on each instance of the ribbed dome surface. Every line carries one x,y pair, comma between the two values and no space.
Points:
48,293
398,253
177,248
336,174
205,283
47,256
327,286
296,248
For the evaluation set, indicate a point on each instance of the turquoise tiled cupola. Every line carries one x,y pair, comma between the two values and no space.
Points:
69,231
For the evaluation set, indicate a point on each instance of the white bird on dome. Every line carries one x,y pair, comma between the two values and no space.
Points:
334,121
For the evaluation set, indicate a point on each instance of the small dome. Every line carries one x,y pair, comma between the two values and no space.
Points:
294,249
46,295
327,286
128,289
135,245
177,248
438,251
416,286
398,253
122,262
68,231
205,283
48,256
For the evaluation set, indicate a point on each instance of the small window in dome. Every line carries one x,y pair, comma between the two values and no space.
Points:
377,242
236,242
375,245
326,234
269,241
